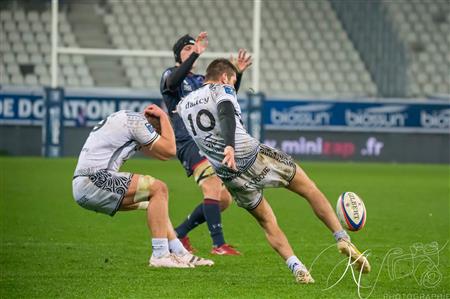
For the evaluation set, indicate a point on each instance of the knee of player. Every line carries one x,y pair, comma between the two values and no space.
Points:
225,198
160,188
212,187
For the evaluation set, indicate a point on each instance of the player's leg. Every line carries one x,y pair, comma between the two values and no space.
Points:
277,239
107,192
146,188
305,187
225,198
215,199
177,248
266,218
212,189
196,166
135,206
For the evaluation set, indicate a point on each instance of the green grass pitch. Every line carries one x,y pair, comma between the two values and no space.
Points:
50,247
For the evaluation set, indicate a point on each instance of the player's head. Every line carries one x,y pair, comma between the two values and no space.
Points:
183,48
221,70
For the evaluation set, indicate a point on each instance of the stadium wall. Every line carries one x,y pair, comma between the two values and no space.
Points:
381,130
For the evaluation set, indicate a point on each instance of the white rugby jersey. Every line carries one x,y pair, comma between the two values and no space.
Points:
200,116
114,140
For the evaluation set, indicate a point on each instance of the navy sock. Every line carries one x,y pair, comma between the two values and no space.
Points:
211,211
192,221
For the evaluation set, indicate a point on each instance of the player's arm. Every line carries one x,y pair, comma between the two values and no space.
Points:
164,147
238,81
174,80
242,62
227,122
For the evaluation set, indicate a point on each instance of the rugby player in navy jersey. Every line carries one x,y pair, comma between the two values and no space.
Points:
177,82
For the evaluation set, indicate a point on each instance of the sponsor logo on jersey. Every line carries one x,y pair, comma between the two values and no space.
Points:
196,102
255,180
150,128
229,90
187,86
302,115
381,116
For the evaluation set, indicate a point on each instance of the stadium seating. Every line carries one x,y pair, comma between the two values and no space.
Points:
424,27
26,45
305,49
296,58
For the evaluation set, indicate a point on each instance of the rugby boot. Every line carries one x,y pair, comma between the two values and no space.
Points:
168,261
224,249
303,276
359,261
195,260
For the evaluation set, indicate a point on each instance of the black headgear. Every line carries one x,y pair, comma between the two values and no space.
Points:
179,45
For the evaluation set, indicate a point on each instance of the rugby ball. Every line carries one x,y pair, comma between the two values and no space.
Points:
351,211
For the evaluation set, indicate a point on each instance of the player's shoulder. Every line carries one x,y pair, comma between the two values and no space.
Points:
228,89
133,116
168,71
221,90
198,76
118,115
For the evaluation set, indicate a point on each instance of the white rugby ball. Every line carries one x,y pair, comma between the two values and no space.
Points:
351,211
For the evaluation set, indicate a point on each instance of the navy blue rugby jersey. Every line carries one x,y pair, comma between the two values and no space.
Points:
172,98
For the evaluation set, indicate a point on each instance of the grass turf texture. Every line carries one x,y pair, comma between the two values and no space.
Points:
50,247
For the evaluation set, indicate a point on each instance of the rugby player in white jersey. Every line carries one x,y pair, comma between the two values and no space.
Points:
212,116
98,185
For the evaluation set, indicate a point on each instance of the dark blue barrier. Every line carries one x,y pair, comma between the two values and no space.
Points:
363,116
397,130
79,108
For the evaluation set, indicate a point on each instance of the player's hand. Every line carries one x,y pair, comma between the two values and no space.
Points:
201,42
229,158
154,110
243,61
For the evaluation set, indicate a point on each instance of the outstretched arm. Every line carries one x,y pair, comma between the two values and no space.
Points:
242,62
174,80
177,76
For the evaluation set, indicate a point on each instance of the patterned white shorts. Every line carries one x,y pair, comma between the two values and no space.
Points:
272,168
101,191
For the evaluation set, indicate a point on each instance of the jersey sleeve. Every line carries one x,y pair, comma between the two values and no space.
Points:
142,131
225,93
163,85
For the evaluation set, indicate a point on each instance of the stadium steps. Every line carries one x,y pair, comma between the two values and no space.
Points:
91,33
376,41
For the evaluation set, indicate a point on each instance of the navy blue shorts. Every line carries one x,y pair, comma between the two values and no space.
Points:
189,155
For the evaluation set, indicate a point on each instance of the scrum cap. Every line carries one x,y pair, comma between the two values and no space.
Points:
179,45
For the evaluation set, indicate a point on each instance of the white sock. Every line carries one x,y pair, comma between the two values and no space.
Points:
177,247
294,263
342,234
160,247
